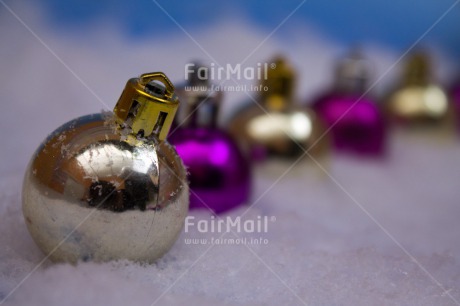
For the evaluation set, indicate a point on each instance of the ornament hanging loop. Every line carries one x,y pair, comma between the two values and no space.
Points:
147,78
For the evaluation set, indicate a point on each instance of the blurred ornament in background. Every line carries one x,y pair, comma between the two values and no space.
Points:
219,174
455,97
356,123
109,186
418,102
271,125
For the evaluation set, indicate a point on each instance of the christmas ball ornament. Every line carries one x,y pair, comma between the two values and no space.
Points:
272,125
418,101
455,96
219,174
109,186
356,123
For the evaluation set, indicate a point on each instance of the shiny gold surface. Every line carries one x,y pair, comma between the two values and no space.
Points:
418,101
106,186
277,126
286,133
123,201
147,111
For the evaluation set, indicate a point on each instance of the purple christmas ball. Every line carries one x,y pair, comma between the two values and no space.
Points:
219,174
357,125
456,99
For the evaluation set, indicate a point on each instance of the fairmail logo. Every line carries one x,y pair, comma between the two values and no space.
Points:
228,72
225,225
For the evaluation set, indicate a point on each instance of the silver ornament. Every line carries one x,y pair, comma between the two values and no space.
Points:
109,186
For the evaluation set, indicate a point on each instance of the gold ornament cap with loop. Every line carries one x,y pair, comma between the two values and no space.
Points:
147,105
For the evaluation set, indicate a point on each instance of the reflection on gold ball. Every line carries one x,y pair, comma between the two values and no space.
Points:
90,195
279,133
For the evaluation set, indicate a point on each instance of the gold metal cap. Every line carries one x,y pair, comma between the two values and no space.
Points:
280,84
147,105
417,70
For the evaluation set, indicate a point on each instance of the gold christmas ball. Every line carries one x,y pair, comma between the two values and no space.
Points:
273,126
282,133
418,101
109,186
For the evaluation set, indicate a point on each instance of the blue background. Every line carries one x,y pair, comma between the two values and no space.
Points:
396,24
